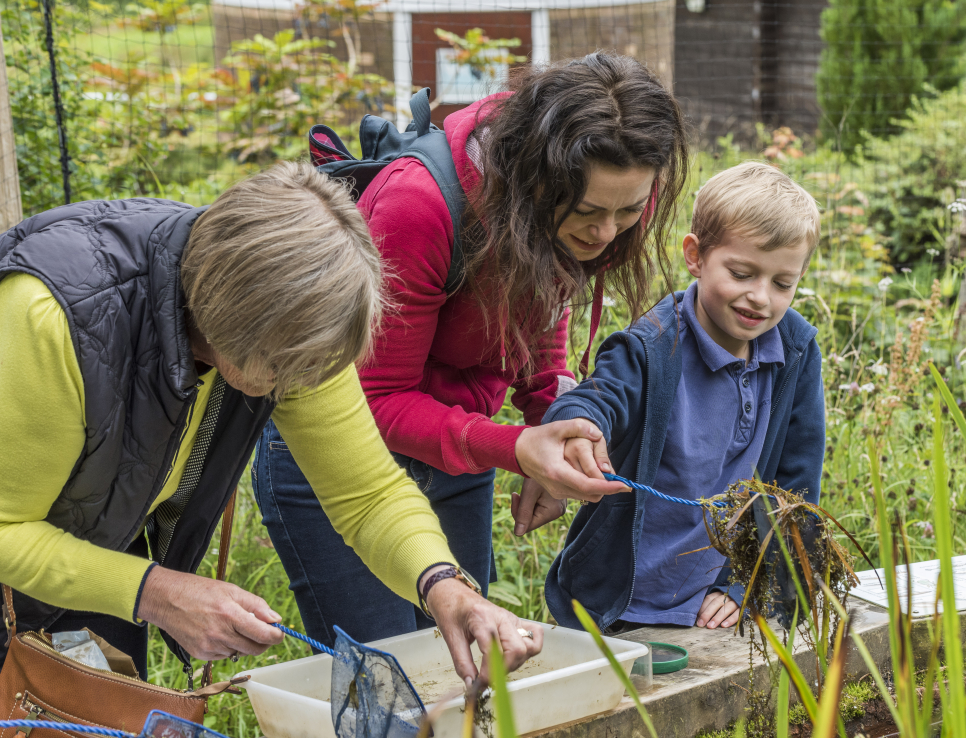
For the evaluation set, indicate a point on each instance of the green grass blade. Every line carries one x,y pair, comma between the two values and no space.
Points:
866,655
955,714
794,673
828,708
804,602
781,712
502,709
591,627
885,552
954,412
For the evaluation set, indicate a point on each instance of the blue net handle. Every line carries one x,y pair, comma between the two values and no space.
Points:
311,641
48,724
661,495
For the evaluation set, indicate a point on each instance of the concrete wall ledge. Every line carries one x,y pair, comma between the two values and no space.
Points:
710,693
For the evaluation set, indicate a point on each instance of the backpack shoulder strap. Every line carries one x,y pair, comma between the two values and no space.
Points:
432,149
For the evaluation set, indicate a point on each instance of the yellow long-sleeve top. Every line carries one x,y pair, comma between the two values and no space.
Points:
371,502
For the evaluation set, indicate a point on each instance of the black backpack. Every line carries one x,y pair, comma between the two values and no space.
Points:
382,143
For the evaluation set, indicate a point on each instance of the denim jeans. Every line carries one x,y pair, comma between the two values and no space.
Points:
331,584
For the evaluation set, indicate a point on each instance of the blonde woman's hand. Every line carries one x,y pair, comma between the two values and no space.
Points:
533,507
463,617
210,619
541,452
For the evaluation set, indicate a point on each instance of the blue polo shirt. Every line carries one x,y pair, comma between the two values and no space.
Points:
718,423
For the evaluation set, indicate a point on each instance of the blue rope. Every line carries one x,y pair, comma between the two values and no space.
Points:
659,495
49,724
311,641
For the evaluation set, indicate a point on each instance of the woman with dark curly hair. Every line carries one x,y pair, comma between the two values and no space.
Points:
571,178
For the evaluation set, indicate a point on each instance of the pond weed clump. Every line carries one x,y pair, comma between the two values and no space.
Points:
760,561
782,551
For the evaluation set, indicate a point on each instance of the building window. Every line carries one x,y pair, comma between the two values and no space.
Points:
462,83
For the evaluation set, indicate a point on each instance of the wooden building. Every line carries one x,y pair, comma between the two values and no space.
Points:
399,42
739,62
733,63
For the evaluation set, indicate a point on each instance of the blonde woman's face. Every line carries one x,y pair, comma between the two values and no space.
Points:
255,384
614,201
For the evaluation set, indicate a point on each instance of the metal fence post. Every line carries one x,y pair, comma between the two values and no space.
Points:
11,212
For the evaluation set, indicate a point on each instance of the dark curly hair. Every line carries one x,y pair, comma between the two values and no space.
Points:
536,156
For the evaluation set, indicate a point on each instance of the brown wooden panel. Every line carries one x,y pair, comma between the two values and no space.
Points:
425,43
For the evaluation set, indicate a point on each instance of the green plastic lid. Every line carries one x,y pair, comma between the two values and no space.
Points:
666,658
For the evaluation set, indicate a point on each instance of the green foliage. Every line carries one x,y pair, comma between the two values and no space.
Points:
163,16
502,707
879,55
854,697
915,175
474,49
797,715
32,106
284,85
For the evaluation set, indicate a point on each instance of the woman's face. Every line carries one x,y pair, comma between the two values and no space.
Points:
256,384
614,202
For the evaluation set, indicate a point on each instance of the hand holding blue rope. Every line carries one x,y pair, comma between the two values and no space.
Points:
662,496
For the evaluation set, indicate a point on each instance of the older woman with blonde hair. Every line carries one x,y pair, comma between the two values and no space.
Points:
144,344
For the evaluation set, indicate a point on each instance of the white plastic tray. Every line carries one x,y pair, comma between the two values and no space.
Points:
568,680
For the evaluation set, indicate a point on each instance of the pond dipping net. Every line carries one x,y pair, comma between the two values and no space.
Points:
377,699
371,696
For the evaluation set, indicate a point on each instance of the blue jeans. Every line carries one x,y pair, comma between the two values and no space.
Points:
331,584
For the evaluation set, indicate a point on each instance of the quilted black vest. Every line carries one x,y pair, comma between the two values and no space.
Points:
114,267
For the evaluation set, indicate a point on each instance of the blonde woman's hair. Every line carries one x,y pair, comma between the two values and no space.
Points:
280,275
758,200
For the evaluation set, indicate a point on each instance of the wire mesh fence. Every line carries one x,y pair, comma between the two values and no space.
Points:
862,98
862,101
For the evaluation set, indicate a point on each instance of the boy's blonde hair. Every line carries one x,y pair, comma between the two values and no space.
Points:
755,199
280,275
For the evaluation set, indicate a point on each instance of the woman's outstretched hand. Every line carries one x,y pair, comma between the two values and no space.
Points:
210,619
542,455
463,616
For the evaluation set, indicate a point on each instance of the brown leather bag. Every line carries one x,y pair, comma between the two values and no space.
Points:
38,683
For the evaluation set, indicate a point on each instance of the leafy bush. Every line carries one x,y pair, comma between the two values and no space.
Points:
913,176
879,55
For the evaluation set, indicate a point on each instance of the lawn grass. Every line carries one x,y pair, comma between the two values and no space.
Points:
182,47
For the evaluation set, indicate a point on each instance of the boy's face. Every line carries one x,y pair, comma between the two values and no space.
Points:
743,291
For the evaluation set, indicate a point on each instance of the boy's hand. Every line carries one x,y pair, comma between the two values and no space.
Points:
533,507
718,609
589,457
540,454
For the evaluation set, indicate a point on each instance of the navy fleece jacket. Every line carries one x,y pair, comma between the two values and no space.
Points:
629,397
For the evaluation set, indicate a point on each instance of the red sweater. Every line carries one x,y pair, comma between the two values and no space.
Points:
436,378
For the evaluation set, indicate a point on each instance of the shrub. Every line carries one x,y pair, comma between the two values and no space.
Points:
914,175
879,55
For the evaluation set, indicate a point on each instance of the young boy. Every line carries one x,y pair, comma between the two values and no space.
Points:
713,384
